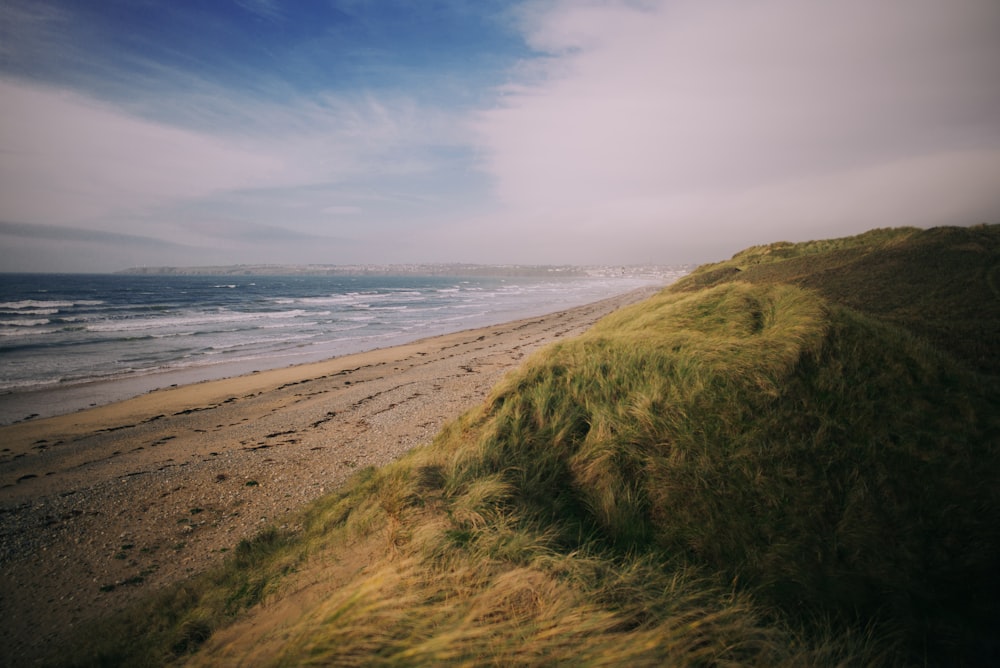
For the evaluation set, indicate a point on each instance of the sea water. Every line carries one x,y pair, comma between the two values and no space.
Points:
64,337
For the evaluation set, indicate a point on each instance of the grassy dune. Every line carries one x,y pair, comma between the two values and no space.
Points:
789,458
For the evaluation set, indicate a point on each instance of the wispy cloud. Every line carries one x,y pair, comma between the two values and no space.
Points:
26,28
65,233
268,9
341,210
33,247
67,159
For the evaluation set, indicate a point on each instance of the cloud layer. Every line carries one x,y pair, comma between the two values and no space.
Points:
295,168
69,159
687,120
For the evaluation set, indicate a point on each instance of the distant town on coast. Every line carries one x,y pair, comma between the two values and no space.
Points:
452,269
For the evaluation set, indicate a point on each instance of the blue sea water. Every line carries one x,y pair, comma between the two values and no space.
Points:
70,332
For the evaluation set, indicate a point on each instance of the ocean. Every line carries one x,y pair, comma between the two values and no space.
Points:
72,341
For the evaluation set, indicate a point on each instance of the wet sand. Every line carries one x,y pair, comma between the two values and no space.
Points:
104,505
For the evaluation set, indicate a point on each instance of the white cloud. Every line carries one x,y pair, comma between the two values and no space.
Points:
66,158
342,210
330,137
70,159
685,120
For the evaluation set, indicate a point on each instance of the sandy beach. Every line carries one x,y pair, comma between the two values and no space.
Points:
104,505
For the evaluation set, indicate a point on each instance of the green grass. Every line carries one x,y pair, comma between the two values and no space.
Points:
775,462
942,284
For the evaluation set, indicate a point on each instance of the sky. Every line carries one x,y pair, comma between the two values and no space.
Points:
185,132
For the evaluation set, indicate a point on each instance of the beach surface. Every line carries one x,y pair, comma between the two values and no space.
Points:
105,505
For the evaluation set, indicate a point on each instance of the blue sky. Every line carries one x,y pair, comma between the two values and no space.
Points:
593,132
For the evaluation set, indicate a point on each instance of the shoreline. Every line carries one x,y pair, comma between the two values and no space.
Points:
61,398
107,504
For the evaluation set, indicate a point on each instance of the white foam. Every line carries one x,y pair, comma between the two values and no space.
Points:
24,323
31,311
34,303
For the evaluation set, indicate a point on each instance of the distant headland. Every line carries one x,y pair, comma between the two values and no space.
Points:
451,269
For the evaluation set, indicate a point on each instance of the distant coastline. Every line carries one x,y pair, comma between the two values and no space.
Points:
452,269
85,336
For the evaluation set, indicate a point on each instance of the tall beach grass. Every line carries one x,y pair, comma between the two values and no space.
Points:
758,466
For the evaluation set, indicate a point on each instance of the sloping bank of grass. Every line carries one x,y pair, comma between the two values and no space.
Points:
736,474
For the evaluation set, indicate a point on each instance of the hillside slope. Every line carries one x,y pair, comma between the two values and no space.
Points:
942,284
789,458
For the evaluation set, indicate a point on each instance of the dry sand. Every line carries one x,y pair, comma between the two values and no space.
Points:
102,506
